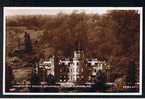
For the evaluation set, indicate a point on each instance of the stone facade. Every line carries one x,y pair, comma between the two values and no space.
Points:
77,69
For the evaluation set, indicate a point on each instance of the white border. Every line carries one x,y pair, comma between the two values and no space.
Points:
140,9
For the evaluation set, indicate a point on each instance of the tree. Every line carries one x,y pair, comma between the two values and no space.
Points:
50,79
34,81
131,79
9,77
28,43
100,85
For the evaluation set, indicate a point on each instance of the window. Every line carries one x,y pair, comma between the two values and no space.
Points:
60,77
77,69
89,78
95,70
78,76
71,70
67,70
81,69
82,77
89,64
96,64
71,77
60,70
63,64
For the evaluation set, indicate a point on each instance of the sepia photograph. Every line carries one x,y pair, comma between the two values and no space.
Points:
72,51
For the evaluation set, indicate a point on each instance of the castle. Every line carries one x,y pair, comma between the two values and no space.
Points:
77,69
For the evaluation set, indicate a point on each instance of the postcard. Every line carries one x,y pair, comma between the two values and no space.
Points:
72,51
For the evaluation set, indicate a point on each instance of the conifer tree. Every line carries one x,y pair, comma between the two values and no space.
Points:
28,43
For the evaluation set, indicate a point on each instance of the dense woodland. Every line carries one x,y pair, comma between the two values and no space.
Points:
113,36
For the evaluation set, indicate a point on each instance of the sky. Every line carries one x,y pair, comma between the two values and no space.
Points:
49,10
11,11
